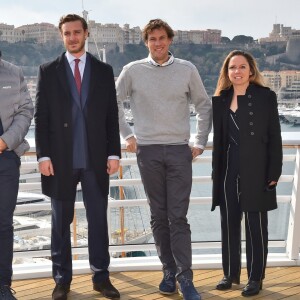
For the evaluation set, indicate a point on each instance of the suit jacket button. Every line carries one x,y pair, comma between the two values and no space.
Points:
249,96
252,133
249,104
65,125
251,113
251,123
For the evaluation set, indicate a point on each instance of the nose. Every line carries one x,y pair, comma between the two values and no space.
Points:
72,36
157,42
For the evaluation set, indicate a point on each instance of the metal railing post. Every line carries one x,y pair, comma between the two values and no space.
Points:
122,219
293,237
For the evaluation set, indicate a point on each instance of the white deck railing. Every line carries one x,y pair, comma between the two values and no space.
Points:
288,257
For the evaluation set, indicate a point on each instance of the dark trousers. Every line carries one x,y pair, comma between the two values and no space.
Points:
166,172
96,213
9,184
256,225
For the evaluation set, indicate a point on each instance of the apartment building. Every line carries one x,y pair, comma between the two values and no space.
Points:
132,35
10,34
105,33
40,33
288,80
272,80
209,36
7,32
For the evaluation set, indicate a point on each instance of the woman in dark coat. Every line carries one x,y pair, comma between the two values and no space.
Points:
247,162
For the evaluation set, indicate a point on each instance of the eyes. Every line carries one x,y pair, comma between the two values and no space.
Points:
69,33
234,68
154,39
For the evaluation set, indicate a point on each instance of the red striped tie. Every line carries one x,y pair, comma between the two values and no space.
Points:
77,75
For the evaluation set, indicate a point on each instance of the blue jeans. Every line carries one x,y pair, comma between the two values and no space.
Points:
9,184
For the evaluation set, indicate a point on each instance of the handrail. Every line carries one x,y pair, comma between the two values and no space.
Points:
291,244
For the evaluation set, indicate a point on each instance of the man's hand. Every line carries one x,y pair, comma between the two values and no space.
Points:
3,145
196,151
272,183
131,144
112,166
46,168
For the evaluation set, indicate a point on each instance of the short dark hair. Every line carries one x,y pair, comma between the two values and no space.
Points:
72,18
157,24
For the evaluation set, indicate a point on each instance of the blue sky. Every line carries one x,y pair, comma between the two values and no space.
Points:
233,17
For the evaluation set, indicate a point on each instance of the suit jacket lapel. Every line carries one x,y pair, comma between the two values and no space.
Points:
61,73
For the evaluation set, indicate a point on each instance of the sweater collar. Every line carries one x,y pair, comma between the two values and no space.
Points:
167,63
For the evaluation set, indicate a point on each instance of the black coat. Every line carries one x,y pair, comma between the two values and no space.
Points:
53,119
260,150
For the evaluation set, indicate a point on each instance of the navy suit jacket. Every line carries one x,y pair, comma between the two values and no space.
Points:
54,130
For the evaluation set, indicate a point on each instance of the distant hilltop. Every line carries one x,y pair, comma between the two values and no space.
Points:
113,34
105,34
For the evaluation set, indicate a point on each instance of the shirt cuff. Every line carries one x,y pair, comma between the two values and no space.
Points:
199,146
43,159
114,157
128,136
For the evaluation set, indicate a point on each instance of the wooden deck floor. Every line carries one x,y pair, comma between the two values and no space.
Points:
280,283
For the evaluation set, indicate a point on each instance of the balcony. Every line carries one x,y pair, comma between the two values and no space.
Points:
128,217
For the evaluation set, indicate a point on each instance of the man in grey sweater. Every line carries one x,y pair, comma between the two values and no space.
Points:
160,89
16,112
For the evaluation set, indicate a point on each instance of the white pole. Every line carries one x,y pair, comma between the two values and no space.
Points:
85,16
104,54
293,237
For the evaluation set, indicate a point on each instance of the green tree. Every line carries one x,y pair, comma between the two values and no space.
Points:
242,39
225,40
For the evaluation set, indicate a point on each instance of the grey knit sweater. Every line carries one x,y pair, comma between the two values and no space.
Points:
159,99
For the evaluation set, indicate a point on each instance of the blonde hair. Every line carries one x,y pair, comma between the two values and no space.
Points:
224,82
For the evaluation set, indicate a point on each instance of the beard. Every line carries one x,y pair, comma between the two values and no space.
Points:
77,49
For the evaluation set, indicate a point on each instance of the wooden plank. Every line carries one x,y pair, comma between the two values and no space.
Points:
280,283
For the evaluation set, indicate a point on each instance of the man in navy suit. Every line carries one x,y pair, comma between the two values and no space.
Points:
77,140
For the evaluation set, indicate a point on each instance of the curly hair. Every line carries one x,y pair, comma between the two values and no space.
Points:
157,24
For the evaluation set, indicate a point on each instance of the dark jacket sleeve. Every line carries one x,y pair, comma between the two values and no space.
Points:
112,120
41,118
275,142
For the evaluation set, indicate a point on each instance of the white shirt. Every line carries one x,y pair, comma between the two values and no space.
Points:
81,64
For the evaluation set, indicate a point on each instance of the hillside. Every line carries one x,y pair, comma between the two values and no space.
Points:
207,58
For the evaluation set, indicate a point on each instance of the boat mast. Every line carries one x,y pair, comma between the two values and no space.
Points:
85,16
